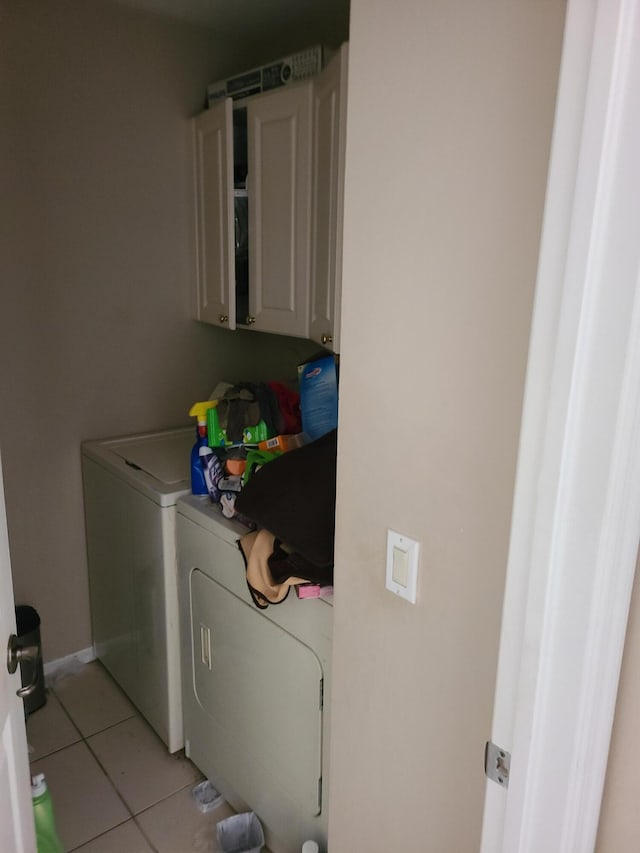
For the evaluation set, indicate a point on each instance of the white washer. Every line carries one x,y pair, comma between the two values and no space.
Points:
131,486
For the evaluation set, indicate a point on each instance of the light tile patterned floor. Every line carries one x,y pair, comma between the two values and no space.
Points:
114,786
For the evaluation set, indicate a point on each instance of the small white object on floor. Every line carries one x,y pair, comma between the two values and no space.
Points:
207,798
240,833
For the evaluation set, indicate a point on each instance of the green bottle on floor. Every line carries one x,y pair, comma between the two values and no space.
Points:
47,839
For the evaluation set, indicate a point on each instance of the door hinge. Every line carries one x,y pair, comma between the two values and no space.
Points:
497,762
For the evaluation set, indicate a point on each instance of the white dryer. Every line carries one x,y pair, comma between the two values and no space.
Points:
255,684
131,486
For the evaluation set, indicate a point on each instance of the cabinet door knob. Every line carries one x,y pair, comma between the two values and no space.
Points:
250,320
223,318
327,339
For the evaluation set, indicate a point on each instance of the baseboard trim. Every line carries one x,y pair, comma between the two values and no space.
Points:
71,663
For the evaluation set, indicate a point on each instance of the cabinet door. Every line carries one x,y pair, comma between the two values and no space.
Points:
279,185
213,172
329,126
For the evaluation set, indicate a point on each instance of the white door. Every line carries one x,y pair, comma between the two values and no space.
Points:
576,514
16,814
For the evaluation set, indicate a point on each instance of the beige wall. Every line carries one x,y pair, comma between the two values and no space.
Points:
95,334
619,828
449,123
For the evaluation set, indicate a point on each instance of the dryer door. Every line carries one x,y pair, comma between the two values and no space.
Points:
262,690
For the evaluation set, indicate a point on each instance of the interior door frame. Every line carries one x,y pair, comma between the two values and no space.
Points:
576,514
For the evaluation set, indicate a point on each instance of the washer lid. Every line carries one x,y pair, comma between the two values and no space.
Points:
164,457
156,464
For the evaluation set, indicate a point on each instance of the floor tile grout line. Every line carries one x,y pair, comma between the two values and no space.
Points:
168,797
139,825
111,782
133,815
145,836
63,706
134,713
100,834
85,739
33,759
142,719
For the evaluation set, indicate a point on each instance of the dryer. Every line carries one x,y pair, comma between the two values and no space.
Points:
131,486
256,683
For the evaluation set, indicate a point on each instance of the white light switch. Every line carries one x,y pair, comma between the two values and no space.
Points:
402,565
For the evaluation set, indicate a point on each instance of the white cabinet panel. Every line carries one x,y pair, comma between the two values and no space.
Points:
329,130
213,165
279,181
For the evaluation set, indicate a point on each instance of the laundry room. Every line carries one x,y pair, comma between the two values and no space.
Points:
102,285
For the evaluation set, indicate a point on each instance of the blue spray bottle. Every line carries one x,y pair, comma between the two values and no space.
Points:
199,411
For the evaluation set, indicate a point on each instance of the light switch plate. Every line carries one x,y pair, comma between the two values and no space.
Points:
402,565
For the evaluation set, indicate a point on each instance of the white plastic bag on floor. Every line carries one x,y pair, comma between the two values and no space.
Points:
207,798
240,833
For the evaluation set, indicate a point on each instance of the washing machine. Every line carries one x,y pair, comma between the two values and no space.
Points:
131,486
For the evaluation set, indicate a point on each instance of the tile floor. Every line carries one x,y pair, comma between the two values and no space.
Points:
114,786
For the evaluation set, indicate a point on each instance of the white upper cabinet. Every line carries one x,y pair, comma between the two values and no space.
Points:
329,126
213,155
279,189
290,146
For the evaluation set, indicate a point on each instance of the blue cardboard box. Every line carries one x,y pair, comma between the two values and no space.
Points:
318,384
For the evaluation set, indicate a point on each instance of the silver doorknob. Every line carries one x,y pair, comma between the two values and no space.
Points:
250,320
15,655
327,339
223,318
